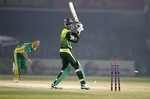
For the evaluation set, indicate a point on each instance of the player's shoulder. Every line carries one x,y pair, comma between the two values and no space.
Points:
66,31
26,44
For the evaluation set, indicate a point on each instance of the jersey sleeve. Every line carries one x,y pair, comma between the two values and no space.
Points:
20,49
73,37
26,49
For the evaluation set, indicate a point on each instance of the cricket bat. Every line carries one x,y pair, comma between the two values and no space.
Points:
73,11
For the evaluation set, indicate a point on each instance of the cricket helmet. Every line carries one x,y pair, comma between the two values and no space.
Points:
67,21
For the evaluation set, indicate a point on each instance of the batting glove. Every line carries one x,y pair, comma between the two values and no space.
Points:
79,24
80,29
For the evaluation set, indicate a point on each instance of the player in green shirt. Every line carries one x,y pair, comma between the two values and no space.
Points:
21,59
67,56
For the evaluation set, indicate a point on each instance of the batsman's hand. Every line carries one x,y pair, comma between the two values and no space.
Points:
80,29
79,26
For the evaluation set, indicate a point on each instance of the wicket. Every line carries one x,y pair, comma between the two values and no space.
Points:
115,75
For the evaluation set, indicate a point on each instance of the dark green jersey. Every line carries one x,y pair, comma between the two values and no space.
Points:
67,37
26,47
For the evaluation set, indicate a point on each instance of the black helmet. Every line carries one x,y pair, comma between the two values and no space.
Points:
67,21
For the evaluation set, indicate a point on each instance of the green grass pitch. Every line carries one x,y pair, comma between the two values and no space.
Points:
38,87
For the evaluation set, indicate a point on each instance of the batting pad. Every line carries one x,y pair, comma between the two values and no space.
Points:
64,74
67,71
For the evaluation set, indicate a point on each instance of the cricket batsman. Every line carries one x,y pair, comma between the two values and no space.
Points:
21,59
68,59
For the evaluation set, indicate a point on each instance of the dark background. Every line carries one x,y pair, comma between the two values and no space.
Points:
118,30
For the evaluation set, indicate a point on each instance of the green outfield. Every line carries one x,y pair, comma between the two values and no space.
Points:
38,87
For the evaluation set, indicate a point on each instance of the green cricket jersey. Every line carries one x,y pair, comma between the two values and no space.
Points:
67,37
26,47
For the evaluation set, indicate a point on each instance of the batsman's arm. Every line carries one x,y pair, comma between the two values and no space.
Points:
76,34
73,37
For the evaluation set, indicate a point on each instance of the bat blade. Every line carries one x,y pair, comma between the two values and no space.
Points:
73,11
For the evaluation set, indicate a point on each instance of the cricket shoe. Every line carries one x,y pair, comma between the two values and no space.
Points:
13,68
16,81
55,87
85,86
